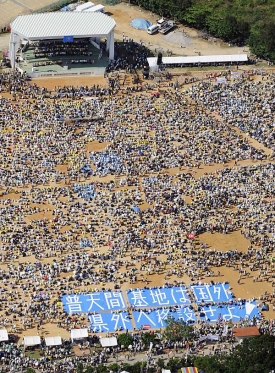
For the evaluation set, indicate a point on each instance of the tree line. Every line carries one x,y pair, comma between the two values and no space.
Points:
250,22
254,355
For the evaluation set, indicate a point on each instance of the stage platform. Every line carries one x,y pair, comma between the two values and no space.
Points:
35,67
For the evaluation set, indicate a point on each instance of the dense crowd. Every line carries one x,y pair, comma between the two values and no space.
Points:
248,105
129,55
74,219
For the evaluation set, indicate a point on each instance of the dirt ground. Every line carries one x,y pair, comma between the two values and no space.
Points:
232,241
123,14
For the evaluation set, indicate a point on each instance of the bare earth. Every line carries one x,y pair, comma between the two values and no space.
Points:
123,14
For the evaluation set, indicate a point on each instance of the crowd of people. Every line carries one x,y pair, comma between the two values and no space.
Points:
129,55
75,220
52,48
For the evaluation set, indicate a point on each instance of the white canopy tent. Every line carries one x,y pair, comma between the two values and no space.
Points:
79,334
84,6
53,341
192,60
32,341
4,335
96,8
59,25
108,342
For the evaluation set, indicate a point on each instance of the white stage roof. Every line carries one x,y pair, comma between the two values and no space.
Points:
32,341
4,335
79,333
108,342
53,341
223,58
56,25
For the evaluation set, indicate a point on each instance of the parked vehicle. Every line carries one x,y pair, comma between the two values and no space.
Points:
153,29
166,26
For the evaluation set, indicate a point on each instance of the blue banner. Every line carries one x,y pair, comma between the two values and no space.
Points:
151,307
212,293
94,302
235,312
158,297
110,322
68,39
156,318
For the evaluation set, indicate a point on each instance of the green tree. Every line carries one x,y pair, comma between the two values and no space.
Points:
198,13
147,338
125,339
137,367
174,364
114,367
101,368
223,26
80,368
90,369
126,366
160,363
209,364
262,39
177,330
254,355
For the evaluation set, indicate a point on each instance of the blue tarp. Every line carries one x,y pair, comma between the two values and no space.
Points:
156,318
86,169
140,23
107,163
94,302
136,209
212,293
234,312
158,297
153,306
110,322
84,242
85,191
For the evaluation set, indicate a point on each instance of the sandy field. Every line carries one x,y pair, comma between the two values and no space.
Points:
247,288
233,241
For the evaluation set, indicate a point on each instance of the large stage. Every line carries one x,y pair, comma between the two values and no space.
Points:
92,64
62,43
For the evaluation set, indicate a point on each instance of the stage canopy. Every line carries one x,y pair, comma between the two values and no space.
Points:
59,26
108,342
79,334
32,340
53,341
4,335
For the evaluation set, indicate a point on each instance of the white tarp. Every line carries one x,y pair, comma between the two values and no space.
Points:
210,337
221,80
213,337
79,334
108,342
4,335
53,341
32,340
